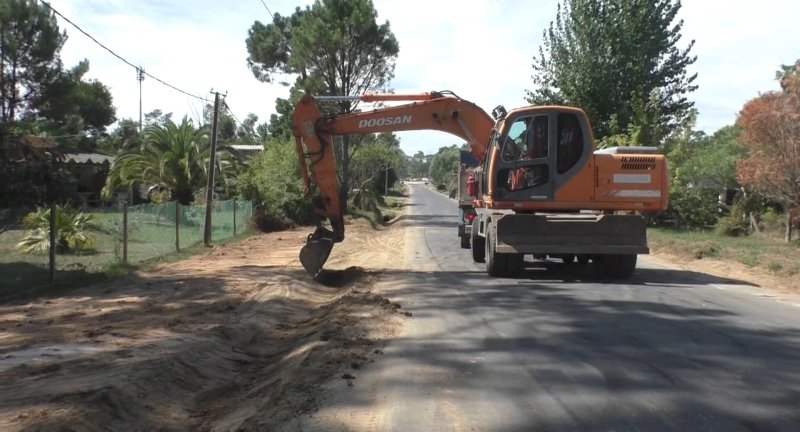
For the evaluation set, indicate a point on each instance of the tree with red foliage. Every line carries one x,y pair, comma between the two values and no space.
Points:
770,127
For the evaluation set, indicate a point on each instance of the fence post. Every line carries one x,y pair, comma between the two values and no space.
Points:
234,217
177,226
125,232
52,263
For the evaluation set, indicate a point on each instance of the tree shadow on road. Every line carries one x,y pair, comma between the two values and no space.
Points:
556,271
629,355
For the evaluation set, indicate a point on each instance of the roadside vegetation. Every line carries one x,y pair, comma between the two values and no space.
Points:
734,187
49,110
760,252
734,192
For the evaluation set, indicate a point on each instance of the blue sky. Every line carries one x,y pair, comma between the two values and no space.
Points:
480,49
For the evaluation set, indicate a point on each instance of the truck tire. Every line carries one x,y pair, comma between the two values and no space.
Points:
464,242
567,259
614,266
605,266
515,264
478,243
626,264
496,263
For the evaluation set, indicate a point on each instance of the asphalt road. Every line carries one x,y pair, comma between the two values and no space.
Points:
554,350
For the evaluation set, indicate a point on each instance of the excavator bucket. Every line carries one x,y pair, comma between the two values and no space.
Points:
316,251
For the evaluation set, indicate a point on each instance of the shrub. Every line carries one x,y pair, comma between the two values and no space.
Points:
273,184
705,250
692,208
71,231
734,225
365,200
773,221
731,227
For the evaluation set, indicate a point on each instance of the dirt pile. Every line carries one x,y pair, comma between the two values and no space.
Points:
239,338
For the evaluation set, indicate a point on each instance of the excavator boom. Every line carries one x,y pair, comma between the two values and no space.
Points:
313,131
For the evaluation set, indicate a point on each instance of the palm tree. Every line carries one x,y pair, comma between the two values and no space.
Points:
171,156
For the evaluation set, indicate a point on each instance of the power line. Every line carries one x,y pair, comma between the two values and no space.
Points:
246,130
268,11
280,32
138,69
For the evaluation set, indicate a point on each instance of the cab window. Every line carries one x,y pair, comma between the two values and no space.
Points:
526,139
524,177
570,142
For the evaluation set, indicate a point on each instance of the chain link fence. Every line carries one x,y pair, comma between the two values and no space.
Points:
120,233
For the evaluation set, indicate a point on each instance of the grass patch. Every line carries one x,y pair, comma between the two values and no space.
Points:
374,217
394,202
27,276
757,251
775,267
379,216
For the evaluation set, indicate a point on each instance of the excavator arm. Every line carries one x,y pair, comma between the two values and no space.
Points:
313,131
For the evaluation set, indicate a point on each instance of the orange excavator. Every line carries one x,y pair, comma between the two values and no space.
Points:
541,188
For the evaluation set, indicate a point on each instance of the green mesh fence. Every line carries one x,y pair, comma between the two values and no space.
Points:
157,229
153,230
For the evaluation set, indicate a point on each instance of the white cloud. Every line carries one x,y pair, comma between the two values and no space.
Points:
480,49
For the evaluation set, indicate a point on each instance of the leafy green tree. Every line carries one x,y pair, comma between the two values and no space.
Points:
713,164
171,156
273,183
249,131
226,128
71,99
76,110
444,166
280,126
621,62
692,207
158,117
693,202
334,47
30,42
418,165
40,98
378,157
124,137
30,45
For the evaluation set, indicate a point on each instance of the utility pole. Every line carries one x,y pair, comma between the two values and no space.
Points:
211,169
386,182
140,78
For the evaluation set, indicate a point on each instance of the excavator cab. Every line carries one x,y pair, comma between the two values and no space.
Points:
539,150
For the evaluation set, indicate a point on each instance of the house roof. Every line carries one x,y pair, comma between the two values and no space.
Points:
247,147
88,158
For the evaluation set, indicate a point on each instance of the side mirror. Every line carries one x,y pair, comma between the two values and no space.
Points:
499,112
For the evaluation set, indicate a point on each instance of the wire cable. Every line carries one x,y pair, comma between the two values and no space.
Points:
250,133
268,11
138,69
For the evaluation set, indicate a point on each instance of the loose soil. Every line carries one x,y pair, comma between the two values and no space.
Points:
788,286
237,339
